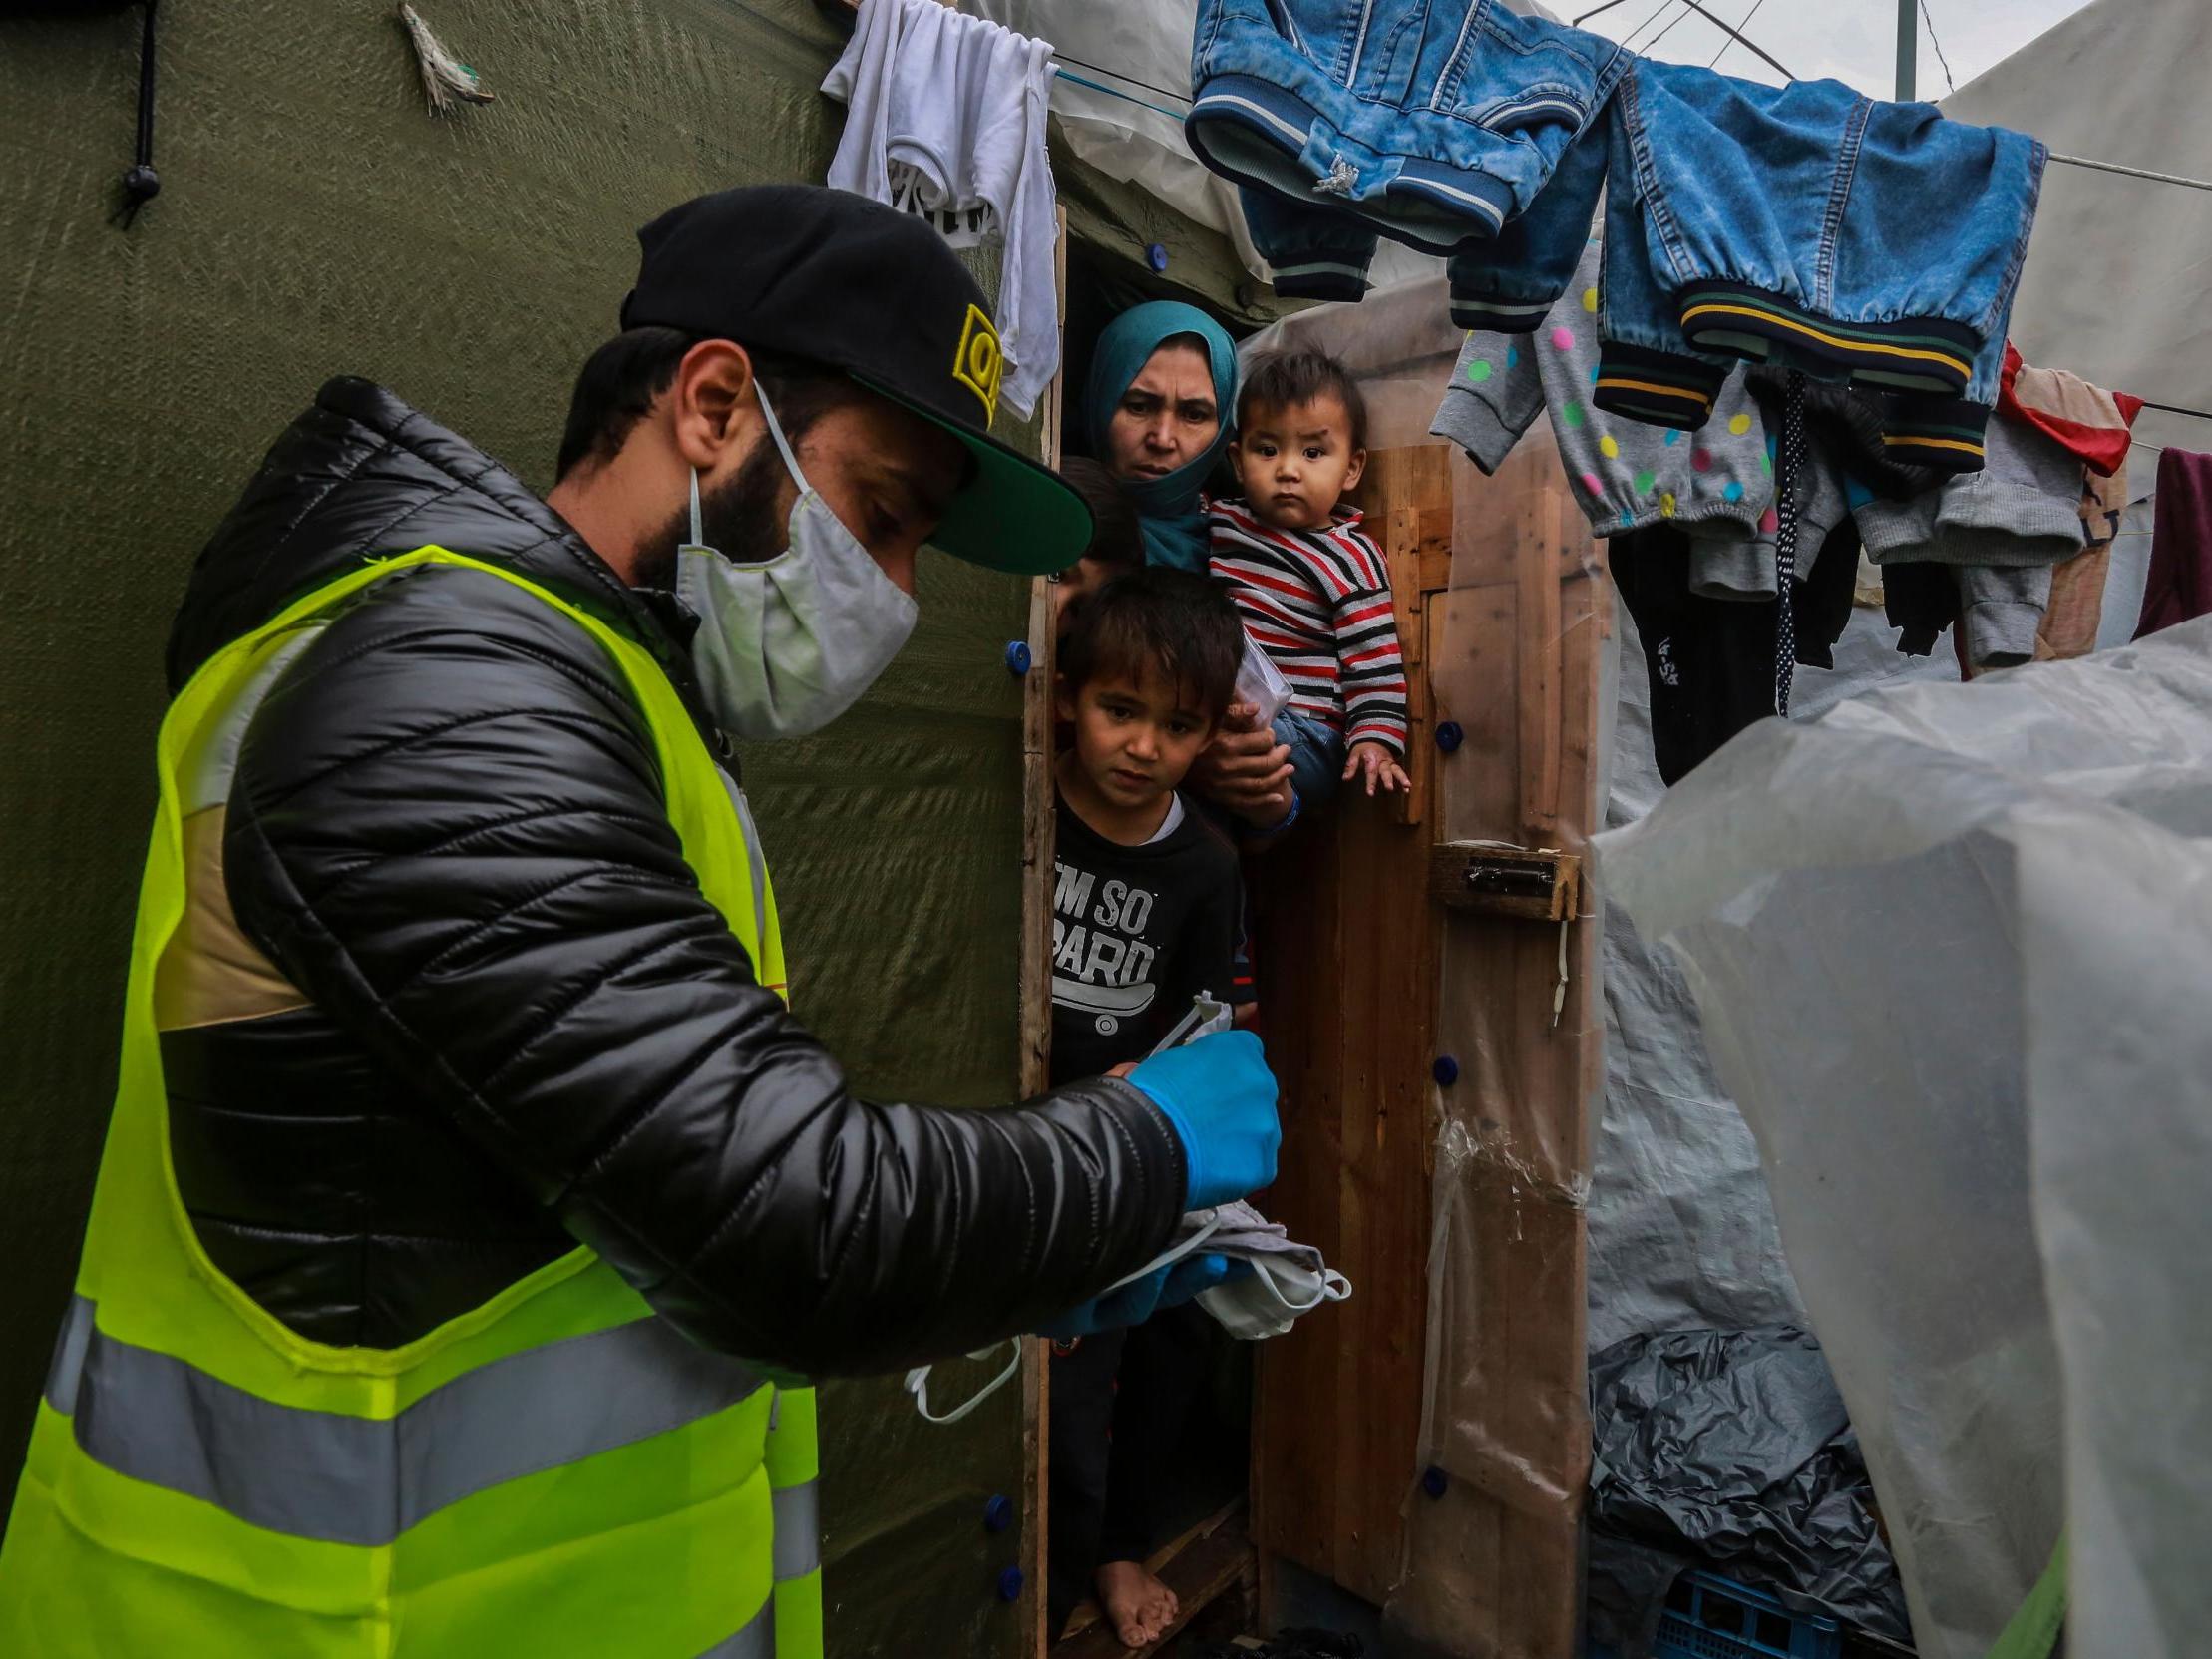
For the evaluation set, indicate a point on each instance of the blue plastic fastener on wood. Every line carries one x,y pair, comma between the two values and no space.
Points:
1449,737
1157,258
1434,1481
1445,1070
1017,656
1009,1584
998,1514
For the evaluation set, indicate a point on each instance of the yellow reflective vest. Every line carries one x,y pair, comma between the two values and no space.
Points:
555,1472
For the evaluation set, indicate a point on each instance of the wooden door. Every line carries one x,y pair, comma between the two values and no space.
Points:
1453,1501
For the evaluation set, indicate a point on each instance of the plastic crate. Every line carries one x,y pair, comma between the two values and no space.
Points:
1710,1617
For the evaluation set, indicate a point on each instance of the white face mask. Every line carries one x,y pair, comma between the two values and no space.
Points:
785,646
1268,1300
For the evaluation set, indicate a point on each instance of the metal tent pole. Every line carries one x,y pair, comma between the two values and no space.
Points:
1907,41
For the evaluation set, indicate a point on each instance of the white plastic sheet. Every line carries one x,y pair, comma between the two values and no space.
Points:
1953,948
1681,1230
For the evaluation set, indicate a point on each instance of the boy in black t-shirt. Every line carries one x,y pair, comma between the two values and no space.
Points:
1145,912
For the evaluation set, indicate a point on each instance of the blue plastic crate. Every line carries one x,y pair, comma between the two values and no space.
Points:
1710,1617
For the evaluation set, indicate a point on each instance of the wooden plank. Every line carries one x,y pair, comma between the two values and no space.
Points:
1537,616
1495,1559
1348,942
1385,1201
1088,1612
1401,551
1296,906
1199,1568
1350,1008
1542,886
1036,971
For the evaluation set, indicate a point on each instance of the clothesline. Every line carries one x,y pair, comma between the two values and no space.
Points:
2182,180
1097,69
2135,172
1114,91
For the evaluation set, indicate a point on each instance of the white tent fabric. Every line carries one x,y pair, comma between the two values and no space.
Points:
1144,49
1950,946
2117,271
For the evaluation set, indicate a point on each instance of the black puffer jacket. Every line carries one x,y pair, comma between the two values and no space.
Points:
497,1016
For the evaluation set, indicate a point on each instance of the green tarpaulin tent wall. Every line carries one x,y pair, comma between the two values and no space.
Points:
316,220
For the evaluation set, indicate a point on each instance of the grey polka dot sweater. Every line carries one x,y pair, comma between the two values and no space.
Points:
1717,484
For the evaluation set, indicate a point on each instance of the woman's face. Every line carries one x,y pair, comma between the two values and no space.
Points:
1168,415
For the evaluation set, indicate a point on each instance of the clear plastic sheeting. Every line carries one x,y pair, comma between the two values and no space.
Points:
1953,949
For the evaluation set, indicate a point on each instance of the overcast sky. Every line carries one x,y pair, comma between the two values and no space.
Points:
1854,41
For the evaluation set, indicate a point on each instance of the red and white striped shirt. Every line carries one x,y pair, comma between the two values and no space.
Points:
1318,602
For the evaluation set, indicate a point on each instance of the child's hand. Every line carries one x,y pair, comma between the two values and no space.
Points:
1380,765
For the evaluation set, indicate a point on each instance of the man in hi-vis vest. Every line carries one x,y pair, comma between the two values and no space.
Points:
473,1209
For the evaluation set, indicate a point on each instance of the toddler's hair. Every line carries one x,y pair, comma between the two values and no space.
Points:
1286,379
1158,621
1115,535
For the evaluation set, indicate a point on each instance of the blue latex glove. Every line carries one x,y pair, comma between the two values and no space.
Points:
1140,1299
1220,1096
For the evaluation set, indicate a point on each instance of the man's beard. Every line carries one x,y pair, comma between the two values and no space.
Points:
742,520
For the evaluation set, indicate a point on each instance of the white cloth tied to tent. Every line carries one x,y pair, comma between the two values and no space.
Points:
948,121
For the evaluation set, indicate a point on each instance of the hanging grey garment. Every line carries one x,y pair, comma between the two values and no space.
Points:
1717,485
2023,508
2001,608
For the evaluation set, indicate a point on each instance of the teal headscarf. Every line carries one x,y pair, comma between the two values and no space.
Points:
1167,508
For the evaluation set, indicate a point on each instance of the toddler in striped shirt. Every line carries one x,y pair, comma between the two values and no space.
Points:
1313,590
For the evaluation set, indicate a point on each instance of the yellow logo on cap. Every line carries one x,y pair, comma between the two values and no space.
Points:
980,362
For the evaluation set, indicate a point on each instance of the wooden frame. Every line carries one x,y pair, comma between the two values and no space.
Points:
1035,975
1394,1009
1345,906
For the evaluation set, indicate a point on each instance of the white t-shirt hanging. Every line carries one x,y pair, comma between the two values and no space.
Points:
947,122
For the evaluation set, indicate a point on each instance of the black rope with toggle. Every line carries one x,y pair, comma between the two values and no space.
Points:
140,183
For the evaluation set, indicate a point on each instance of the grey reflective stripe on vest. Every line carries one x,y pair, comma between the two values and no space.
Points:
216,757
758,864
798,1529
756,1641
364,1480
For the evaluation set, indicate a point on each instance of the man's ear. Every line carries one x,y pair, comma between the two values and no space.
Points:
1359,465
712,408
1063,697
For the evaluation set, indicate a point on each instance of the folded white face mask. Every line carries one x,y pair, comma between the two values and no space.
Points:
787,646
917,1383
1207,1015
1268,1300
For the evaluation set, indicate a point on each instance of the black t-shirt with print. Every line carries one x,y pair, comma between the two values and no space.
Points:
1137,932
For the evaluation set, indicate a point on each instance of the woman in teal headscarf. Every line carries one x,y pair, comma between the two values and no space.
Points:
1162,392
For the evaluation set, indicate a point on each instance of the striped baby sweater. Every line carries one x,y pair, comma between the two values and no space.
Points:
1318,602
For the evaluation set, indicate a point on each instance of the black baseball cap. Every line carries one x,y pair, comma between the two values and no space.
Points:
855,285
